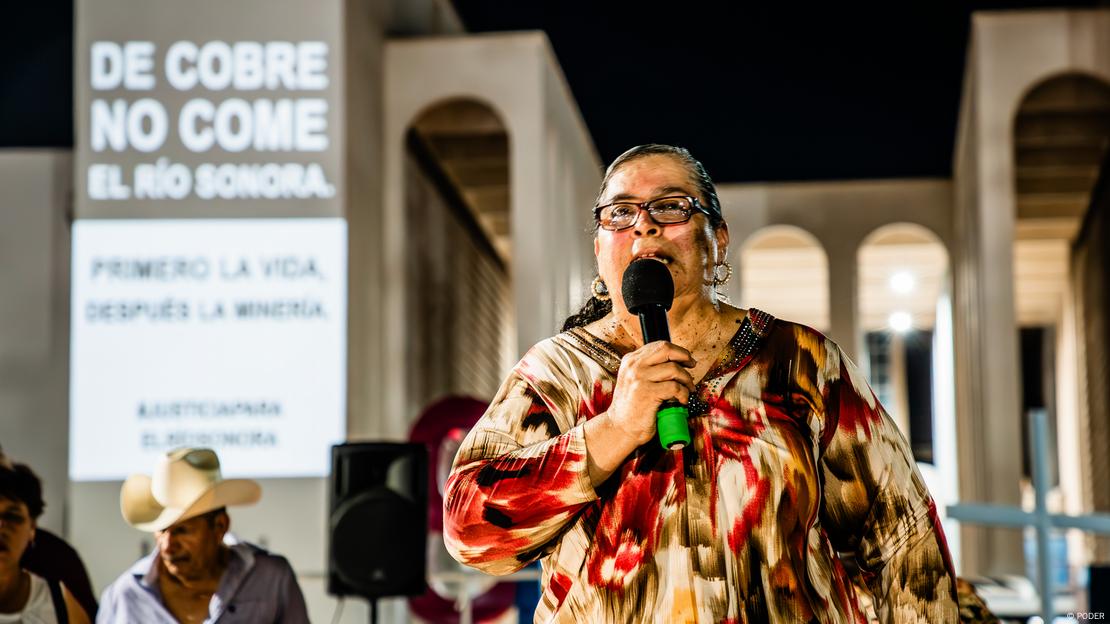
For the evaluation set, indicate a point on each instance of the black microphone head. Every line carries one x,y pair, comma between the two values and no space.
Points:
647,282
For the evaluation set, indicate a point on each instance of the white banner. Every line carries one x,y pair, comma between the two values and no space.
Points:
225,333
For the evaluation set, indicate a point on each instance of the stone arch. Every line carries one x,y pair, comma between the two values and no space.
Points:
1061,127
469,139
517,77
1061,131
455,198
1049,79
902,267
458,98
784,270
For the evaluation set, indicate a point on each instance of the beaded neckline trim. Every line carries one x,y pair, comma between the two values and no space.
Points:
743,344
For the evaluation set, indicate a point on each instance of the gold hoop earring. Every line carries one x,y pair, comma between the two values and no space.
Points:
721,281
599,289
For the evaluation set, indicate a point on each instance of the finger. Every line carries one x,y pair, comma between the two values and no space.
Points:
660,352
670,372
676,391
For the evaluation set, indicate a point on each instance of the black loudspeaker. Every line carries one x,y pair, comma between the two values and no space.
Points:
379,520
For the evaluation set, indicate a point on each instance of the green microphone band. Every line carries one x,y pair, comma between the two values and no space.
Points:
670,421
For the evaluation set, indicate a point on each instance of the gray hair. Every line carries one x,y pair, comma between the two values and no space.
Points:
698,175
595,308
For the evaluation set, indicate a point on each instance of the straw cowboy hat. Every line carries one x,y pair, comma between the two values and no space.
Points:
186,483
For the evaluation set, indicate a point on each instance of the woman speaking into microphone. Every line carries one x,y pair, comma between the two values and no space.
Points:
791,463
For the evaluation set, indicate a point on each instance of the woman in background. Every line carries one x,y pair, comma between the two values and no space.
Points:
24,596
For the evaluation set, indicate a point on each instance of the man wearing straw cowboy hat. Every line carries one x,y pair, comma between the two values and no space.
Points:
193,575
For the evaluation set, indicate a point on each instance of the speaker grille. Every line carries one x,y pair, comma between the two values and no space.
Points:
378,520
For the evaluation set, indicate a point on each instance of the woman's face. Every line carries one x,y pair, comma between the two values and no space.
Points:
690,250
17,529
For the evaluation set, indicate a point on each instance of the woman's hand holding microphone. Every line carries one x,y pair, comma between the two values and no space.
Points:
648,376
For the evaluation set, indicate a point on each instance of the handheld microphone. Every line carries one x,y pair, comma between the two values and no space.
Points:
648,292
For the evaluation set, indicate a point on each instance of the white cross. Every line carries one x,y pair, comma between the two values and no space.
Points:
1004,516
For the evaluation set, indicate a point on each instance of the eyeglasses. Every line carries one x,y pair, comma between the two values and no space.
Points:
663,210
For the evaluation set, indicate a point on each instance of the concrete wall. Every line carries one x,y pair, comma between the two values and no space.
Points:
553,169
572,181
458,302
1009,54
840,215
34,318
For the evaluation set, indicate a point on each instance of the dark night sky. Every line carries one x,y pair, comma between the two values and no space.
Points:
758,92
764,91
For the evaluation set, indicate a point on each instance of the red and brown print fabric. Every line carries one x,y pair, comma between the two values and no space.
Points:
792,461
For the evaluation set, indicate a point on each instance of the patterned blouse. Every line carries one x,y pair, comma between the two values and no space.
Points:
792,461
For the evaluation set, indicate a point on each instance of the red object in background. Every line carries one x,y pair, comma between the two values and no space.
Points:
441,427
